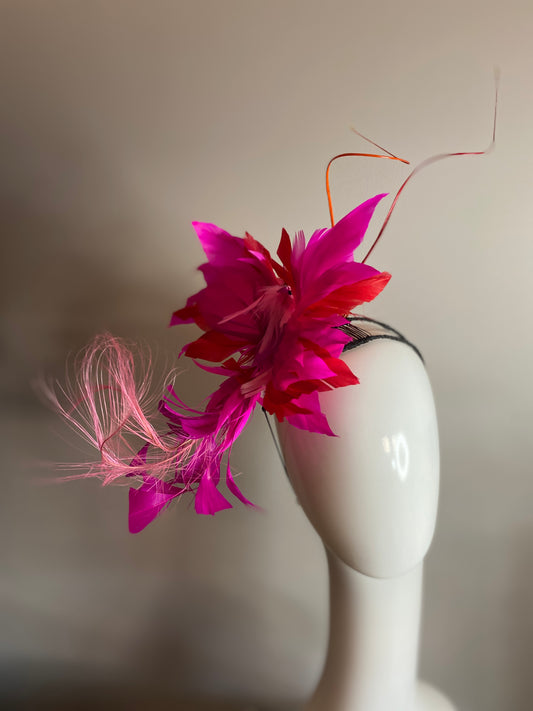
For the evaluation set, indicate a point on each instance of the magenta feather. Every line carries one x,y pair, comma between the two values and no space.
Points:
268,326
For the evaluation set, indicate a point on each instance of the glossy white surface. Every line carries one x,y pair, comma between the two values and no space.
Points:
373,645
371,493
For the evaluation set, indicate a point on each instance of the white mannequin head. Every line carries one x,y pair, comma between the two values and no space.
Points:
371,492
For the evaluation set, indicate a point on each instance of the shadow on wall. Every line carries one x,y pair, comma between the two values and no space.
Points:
201,604
45,689
519,621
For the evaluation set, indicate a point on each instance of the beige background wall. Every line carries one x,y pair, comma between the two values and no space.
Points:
123,121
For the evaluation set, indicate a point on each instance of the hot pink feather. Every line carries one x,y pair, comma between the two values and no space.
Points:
269,327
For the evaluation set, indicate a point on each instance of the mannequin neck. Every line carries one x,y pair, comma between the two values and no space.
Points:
372,653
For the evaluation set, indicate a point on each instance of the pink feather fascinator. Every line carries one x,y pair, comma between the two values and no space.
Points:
271,328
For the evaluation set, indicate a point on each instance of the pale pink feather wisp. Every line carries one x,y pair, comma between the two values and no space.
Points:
111,403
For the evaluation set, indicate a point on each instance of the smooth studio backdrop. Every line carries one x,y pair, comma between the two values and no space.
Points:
123,121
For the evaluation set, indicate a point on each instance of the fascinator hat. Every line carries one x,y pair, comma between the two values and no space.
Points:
274,328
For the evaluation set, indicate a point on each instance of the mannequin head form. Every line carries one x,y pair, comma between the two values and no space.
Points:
371,492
